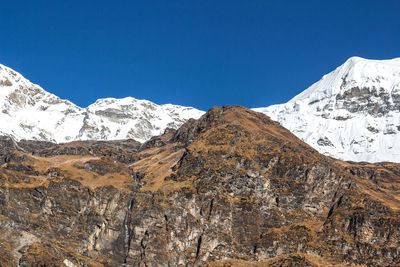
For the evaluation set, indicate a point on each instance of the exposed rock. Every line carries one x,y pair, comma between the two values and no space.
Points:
230,189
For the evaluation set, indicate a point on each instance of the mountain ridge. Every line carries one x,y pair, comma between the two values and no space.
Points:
30,112
233,187
352,113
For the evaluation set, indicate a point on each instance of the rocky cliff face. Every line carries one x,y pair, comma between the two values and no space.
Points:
352,113
232,188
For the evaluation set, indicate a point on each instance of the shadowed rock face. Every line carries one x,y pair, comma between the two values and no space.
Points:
230,189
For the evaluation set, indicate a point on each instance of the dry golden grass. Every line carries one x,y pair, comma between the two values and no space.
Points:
387,188
71,167
41,254
309,260
238,135
157,164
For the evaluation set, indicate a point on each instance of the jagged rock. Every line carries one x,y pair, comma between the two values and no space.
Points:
230,189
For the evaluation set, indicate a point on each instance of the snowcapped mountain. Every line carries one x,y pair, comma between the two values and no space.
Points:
111,119
29,112
352,113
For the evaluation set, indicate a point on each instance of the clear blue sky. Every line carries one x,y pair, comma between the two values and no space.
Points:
197,53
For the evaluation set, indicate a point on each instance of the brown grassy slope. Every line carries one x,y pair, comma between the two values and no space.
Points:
277,191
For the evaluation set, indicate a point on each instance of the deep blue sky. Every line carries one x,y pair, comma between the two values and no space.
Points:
197,53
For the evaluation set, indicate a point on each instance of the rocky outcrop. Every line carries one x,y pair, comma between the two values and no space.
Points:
232,188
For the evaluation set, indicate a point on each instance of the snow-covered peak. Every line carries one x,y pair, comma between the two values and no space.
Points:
10,79
352,113
112,118
355,72
29,112
22,92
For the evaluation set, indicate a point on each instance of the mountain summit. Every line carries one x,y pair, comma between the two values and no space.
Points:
233,188
352,113
29,112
